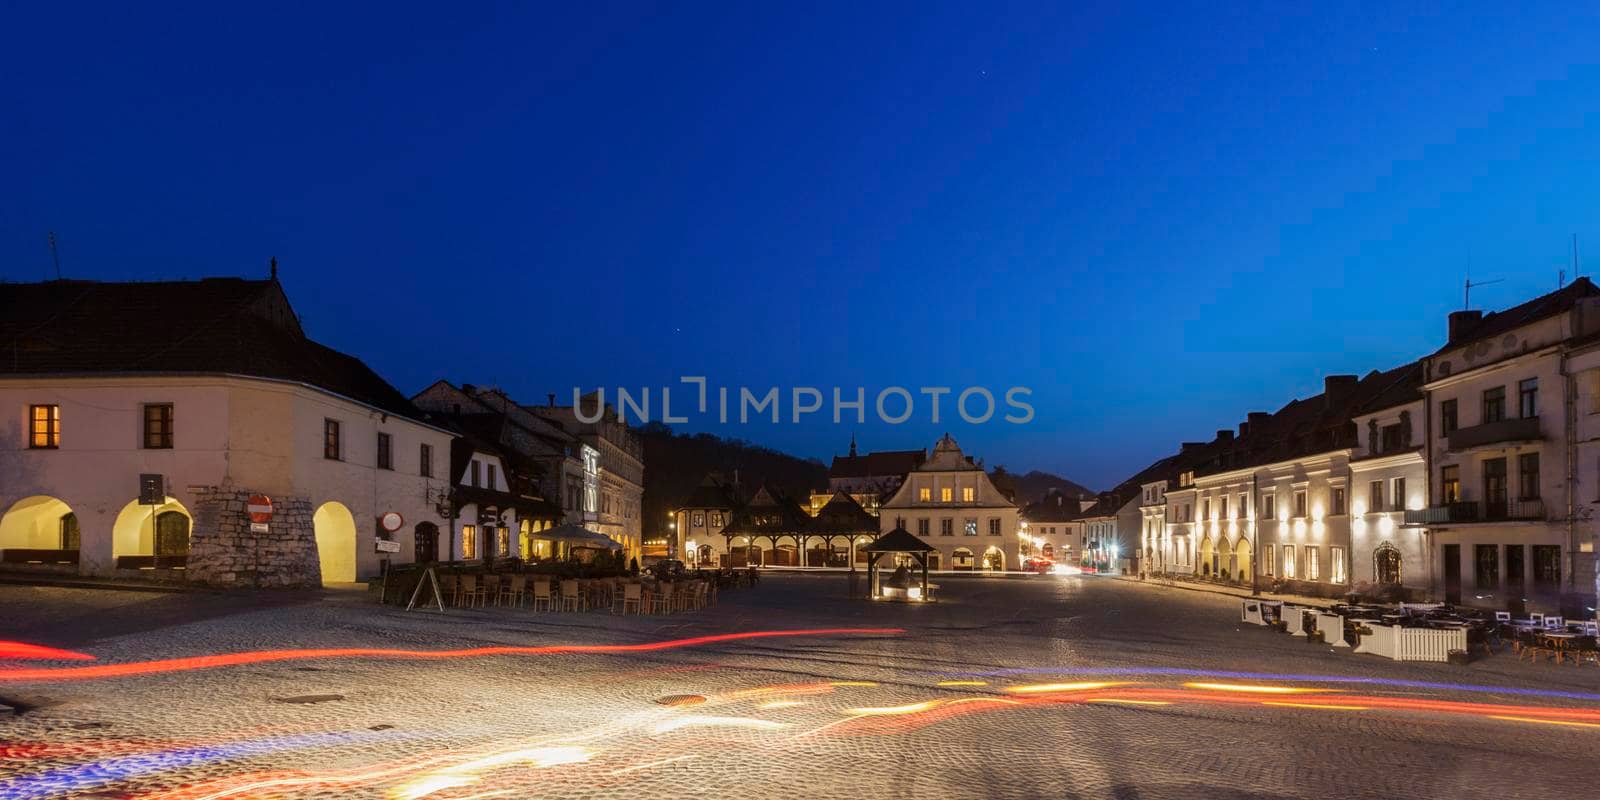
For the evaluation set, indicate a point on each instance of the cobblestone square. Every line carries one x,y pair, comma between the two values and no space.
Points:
1023,686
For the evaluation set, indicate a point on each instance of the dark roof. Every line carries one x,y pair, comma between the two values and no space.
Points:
768,512
1053,507
211,326
842,514
711,493
898,540
1557,302
1407,388
886,462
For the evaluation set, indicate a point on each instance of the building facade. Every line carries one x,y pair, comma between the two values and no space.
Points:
224,397
613,466
949,502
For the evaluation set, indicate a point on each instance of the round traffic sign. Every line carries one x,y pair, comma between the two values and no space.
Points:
259,507
391,521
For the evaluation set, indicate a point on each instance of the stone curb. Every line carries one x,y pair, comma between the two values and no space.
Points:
70,583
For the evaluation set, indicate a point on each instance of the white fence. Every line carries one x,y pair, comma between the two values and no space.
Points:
1412,644
1331,627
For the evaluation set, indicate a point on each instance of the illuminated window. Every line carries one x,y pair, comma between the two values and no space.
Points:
970,527
945,494
1450,483
1313,563
1288,561
966,494
1266,558
330,439
716,519
502,541
469,541
697,520
44,427
158,426
924,494
1336,568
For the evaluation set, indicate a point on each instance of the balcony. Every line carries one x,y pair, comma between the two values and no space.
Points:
1474,511
1524,429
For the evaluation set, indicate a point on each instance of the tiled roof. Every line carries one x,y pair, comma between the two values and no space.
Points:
711,493
843,514
1549,305
898,540
1407,388
879,464
1053,507
211,326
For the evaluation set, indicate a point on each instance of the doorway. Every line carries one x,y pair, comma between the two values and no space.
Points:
1452,574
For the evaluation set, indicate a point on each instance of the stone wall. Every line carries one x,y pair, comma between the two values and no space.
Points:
224,552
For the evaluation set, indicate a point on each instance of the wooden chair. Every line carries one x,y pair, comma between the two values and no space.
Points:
1584,649
491,589
541,594
513,591
469,593
449,584
571,598
633,595
662,600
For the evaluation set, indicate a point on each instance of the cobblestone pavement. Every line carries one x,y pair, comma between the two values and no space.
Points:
1059,686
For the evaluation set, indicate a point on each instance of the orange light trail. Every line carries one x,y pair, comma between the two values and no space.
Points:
267,656
22,650
1313,705
1242,687
1549,721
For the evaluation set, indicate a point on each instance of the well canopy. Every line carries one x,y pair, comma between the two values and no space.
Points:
899,540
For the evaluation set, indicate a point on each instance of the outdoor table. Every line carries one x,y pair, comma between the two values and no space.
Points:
1558,642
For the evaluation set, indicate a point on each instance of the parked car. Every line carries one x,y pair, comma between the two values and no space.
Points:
1038,564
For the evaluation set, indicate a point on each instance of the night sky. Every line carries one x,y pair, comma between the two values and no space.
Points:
1157,217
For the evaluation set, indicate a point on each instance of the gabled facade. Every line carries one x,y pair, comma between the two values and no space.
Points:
949,502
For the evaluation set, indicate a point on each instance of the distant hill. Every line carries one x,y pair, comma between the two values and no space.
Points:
675,463
1035,485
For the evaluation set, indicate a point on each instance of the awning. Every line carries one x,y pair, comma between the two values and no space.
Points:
578,536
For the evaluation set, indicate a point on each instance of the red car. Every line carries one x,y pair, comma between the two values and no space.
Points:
1038,564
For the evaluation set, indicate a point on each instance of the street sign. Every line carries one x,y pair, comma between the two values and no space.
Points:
259,507
387,546
152,489
391,521
258,527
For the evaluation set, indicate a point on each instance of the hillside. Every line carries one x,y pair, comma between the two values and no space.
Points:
1035,485
675,464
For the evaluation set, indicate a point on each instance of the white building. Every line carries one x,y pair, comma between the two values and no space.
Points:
213,386
1388,478
949,502
1507,516
698,521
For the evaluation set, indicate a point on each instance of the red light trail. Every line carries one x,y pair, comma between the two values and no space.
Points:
267,656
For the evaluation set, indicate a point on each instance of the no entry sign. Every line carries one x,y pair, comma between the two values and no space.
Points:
259,507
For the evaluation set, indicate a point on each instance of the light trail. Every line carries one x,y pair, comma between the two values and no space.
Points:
1238,687
1549,721
1397,683
1313,705
1053,688
38,652
268,656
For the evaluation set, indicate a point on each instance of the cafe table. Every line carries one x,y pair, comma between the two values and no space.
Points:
1559,641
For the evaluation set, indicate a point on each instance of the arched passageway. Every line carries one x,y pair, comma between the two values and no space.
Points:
335,530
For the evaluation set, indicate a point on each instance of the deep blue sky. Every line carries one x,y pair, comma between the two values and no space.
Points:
1158,217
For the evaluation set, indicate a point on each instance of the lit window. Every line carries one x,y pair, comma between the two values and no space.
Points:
502,541
1336,568
966,494
924,494
44,427
970,527
158,426
469,541
1313,563
945,495
716,519
697,520
1288,561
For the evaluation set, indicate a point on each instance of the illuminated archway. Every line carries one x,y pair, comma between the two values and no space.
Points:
336,542
38,523
1386,564
1208,552
1241,555
140,528
961,559
994,559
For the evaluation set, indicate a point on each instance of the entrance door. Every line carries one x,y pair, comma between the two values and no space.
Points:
1515,582
1452,573
172,534
427,543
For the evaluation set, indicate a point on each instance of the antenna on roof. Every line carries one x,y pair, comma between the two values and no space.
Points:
1466,291
55,255
274,267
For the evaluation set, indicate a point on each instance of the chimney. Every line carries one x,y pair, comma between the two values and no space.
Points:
1244,429
1225,435
551,398
1337,388
1461,322
1191,446
1257,419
